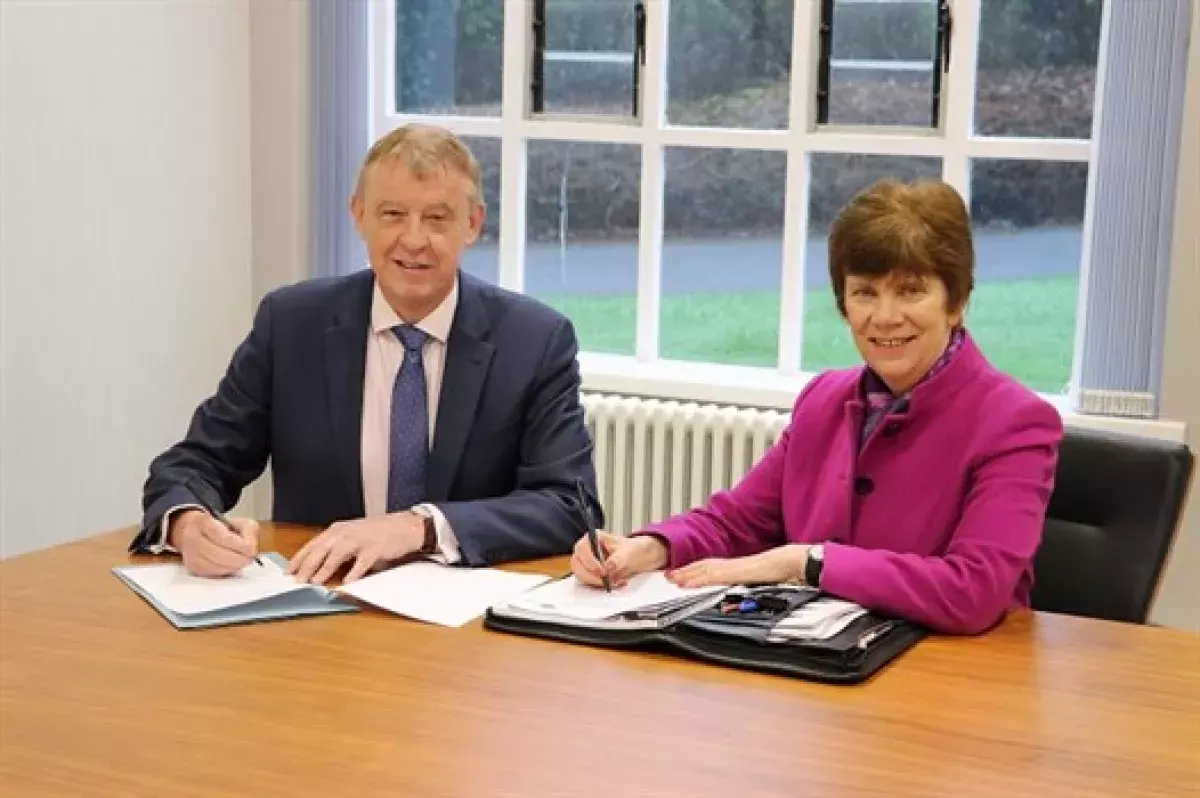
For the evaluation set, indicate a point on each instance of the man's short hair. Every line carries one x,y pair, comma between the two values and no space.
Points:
425,150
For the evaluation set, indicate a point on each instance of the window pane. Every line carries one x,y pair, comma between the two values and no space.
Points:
588,61
448,56
1037,68
722,255
483,259
881,63
581,246
833,180
729,63
1027,219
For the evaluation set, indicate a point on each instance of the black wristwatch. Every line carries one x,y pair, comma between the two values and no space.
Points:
814,563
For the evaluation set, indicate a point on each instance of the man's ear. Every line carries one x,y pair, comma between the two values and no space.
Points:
475,221
358,210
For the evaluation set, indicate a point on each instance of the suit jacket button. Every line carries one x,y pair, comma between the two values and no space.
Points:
891,428
864,485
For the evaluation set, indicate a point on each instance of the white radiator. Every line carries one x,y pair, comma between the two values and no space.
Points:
655,458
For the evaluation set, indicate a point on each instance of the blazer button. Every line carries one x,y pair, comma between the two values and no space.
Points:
863,485
891,428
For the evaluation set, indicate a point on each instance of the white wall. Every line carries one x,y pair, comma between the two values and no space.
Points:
1178,602
280,144
280,161
124,246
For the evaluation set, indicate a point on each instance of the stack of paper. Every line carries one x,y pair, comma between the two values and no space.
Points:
817,620
648,600
441,594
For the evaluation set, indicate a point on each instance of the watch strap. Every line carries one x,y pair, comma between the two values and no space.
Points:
812,569
429,545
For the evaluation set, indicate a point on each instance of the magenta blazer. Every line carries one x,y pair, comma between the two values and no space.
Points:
936,520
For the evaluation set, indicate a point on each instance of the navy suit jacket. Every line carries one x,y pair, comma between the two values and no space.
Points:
509,443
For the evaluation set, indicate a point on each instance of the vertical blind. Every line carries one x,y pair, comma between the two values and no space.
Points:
1131,202
340,81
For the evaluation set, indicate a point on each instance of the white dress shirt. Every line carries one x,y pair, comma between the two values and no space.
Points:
384,356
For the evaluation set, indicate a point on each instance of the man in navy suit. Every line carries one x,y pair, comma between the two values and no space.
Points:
409,409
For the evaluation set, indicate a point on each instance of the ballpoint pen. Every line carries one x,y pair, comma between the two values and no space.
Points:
874,633
212,510
593,538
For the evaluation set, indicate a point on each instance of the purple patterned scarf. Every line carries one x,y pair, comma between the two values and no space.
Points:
880,401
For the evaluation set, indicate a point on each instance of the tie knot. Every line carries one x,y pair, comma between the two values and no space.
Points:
412,337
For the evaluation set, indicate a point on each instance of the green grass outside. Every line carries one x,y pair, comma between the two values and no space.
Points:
1026,328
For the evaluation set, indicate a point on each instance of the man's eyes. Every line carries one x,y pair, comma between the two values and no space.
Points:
391,213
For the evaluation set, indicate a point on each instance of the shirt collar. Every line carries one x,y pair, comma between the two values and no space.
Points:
436,324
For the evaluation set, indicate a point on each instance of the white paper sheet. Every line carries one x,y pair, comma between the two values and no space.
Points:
817,620
177,590
572,599
440,594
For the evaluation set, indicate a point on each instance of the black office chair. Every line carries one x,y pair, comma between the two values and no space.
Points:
1116,503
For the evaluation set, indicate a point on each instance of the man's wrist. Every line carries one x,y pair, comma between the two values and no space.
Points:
174,521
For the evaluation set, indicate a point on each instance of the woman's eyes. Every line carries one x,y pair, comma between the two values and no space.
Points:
909,291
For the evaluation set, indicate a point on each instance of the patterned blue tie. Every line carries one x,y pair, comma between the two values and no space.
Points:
409,425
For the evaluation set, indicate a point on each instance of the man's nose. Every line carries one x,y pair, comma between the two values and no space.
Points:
413,237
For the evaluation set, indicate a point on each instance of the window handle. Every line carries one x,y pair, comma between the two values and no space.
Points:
537,79
945,28
639,51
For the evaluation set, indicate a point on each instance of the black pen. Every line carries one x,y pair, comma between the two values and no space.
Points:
593,538
212,510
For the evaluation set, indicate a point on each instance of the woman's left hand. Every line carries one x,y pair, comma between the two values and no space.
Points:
779,564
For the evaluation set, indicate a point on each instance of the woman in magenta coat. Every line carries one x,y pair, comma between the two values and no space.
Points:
915,485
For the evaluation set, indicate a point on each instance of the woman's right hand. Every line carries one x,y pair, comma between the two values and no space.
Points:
623,557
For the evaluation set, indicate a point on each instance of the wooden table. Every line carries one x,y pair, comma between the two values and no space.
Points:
101,696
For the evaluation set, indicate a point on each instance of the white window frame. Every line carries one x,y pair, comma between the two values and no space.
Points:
644,373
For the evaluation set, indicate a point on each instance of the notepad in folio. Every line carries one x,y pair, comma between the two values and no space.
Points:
259,592
785,629
648,601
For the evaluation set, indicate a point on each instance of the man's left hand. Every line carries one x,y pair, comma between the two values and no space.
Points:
367,541
779,564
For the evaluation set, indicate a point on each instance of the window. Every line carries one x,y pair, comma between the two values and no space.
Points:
587,57
447,61
671,167
881,63
581,253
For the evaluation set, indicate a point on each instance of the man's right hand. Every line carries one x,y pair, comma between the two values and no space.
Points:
623,557
208,548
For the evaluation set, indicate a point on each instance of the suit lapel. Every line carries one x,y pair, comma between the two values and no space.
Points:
345,365
468,357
